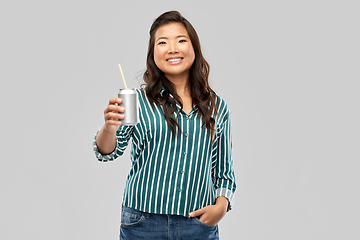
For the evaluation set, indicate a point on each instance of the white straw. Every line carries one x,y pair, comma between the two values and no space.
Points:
122,76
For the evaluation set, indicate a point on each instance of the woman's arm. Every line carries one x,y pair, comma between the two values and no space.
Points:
222,172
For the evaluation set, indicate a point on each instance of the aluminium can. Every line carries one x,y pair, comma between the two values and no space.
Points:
131,104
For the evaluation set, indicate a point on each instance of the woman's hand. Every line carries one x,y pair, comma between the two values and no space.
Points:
106,137
212,214
113,114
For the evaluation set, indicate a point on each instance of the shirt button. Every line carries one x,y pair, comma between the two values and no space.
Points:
180,189
182,171
184,153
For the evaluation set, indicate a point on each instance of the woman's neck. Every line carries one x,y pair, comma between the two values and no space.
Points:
181,84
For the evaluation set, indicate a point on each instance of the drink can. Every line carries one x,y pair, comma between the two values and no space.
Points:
131,104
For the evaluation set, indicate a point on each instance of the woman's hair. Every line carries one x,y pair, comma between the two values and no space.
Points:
202,95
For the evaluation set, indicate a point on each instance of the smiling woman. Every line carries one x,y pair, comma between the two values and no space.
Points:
173,52
189,87
182,180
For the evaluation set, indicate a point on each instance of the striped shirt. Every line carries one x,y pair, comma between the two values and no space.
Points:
175,175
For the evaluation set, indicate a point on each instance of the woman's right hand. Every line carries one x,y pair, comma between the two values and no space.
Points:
106,137
113,114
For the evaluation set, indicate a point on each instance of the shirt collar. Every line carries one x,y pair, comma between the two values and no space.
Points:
163,89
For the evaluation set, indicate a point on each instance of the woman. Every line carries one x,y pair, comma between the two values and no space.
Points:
181,182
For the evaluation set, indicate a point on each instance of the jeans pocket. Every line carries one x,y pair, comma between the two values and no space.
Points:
197,220
131,217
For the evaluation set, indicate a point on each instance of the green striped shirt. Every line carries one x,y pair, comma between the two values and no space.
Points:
175,175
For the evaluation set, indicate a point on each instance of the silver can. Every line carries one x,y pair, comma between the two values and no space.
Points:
131,104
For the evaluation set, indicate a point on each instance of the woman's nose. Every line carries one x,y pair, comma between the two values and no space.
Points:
173,48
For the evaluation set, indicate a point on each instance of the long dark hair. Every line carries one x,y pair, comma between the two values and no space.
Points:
202,95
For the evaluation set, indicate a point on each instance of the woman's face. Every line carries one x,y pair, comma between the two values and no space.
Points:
173,51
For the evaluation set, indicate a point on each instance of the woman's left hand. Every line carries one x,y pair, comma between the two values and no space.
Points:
212,214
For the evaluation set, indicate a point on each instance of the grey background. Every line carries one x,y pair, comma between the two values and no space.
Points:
289,71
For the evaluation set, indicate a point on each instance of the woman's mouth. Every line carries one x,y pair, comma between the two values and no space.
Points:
174,60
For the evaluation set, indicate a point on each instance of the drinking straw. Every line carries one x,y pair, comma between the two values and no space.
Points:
122,76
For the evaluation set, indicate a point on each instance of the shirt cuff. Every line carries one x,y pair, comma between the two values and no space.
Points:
224,192
101,157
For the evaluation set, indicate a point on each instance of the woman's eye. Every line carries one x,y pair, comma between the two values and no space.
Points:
182,40
162,42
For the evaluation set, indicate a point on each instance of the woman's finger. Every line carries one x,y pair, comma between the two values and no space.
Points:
113,122
198,212
113,116
115,100
114,108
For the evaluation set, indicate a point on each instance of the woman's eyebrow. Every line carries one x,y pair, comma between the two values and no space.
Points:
167,38
182,36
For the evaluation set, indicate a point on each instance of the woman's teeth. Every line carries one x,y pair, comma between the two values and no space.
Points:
174,60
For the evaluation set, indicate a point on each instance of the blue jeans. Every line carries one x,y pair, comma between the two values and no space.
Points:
136,225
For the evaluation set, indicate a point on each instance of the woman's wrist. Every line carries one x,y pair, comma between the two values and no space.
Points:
222,202
105,141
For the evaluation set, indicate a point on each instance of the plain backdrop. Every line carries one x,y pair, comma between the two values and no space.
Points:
289,71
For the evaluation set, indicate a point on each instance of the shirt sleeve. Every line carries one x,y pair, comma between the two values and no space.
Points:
123,135
222,162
